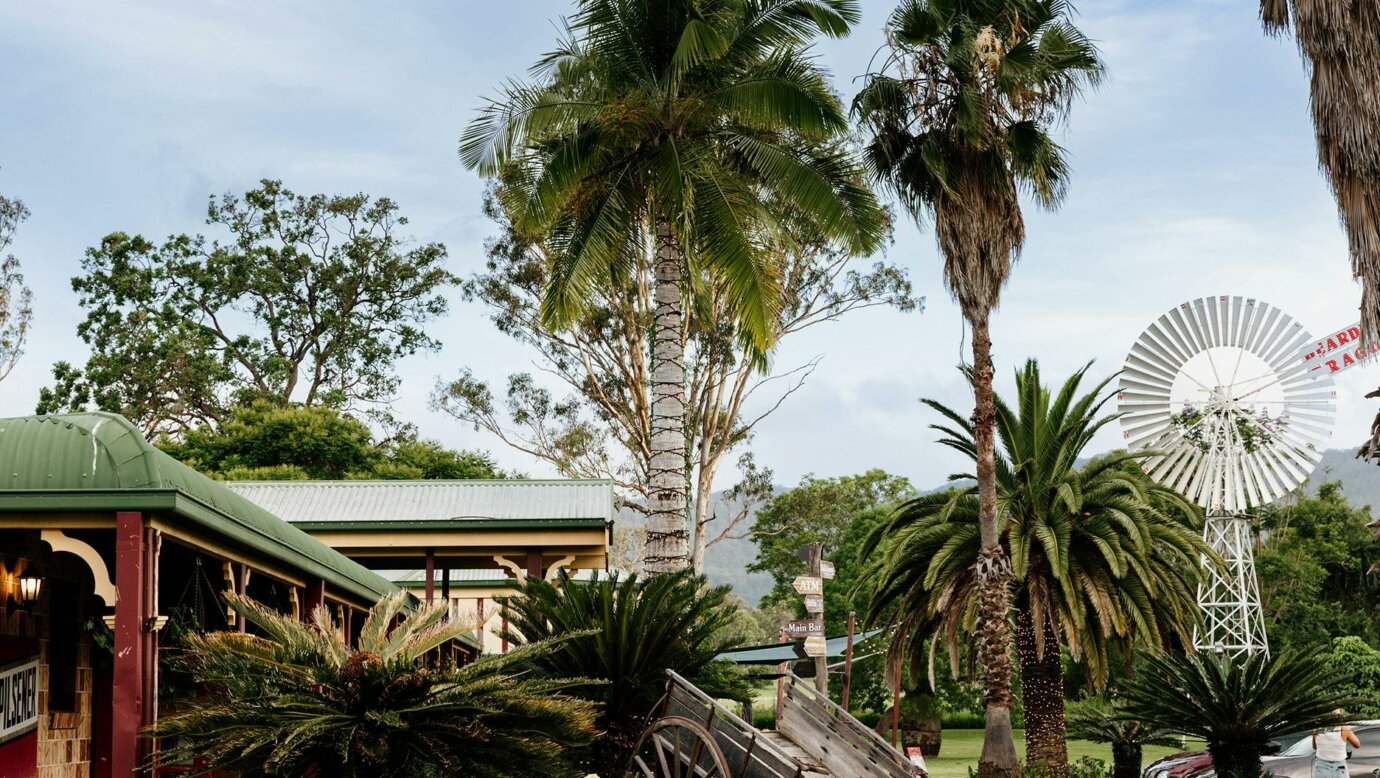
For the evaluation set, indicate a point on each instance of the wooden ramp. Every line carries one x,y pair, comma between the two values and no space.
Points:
815,738
832,737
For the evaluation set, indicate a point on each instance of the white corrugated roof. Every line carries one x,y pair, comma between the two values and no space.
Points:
304,501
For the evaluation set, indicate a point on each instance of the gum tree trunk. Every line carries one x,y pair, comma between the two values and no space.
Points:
998,759
667,522
1042,692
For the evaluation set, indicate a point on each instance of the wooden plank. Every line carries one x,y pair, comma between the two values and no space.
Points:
749,754
832,735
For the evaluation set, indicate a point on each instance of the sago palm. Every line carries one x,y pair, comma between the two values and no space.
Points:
1238,704
1337,41
959,121
1101,555
1098,721
632,631
675,126
298,698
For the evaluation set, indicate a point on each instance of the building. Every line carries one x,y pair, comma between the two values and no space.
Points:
106,542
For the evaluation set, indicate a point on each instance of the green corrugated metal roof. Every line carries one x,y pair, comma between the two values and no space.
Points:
100,461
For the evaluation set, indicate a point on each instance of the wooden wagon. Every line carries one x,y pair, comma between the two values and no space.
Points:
693,736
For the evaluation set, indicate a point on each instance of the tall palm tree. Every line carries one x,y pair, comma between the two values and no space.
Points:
959,119
298,698
1337,41
669,125
1102,556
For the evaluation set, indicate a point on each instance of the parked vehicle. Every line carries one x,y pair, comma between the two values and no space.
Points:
1294,758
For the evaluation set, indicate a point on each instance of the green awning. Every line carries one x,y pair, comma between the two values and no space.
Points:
101,462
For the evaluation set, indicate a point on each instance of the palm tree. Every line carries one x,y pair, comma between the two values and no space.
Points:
1102,556
1237,704
1097,720
669,126
959,120
630,632
1337,41
299,698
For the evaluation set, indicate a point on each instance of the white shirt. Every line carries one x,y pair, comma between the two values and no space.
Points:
1330,746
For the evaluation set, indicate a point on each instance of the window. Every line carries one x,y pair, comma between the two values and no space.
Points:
1370,743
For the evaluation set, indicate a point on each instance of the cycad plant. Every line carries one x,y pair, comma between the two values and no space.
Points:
629,632
298,698
683,129
1097,720
1102,556
959,120
1238,704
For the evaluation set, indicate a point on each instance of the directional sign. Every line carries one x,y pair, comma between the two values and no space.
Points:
808,584
826,570
814,603
815,646
804,628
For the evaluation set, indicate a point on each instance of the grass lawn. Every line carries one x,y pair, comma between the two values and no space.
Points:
962,747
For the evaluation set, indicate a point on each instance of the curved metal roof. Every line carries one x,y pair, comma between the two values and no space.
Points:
100,461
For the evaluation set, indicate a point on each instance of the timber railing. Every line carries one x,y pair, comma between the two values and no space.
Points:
749,754
830,734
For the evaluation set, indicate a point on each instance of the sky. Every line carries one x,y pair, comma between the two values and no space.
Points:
1194,174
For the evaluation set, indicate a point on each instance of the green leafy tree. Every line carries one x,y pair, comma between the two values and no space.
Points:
1315,561
1102,555
16,301
687,126
311,299
625,633
959,124
1357,665
836,512
1238,704
297,698
265,441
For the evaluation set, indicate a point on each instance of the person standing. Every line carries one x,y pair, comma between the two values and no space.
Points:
1329,751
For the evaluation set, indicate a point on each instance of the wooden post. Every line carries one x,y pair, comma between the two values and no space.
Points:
430,575
848,660
780,679
896,691
534,568
445,585
130,685
821,661
315,597
242,589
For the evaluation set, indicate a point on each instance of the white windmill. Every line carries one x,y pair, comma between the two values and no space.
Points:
1219,389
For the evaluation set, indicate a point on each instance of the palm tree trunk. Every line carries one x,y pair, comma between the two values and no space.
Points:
1126,760
1042,693
998,758
667,527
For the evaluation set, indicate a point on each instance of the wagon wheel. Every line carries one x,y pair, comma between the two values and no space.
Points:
676,747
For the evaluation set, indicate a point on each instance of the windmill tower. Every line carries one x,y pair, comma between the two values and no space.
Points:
1219,390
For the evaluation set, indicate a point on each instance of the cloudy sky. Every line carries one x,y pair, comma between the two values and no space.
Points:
1194,175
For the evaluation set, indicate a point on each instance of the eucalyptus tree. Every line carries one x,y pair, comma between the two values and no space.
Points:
680,128
959,120
16,301
1336,39
1104,558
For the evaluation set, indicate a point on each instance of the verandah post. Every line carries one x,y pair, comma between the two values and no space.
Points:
132,693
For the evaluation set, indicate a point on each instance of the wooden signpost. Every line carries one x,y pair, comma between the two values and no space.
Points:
816,647
812,586
805,628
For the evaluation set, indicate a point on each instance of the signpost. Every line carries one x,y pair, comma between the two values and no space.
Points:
808,584
816,647
814,603
826,570
804,628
